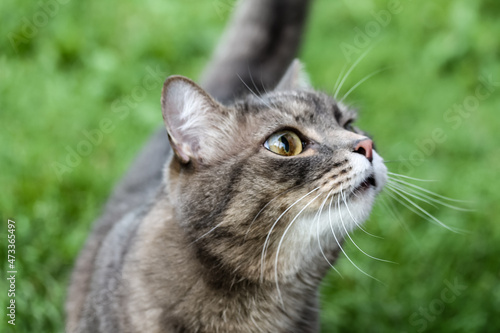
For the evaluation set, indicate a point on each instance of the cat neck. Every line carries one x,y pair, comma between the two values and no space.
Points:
183,281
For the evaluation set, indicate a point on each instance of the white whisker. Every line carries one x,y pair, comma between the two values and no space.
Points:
354,220
340,246
408,177
281,242
347,232
342,71
258,97
423,197
404,204
423,210
389,206
208,232
360,82
427,191
350,70
416,196
267,93
264,250
318,238
251,79
260,211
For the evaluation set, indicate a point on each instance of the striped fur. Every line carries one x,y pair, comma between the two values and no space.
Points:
274,46
234,238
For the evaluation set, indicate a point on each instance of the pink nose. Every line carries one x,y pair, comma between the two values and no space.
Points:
365,148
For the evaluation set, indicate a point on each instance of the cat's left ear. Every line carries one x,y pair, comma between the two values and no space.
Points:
295,78
195,122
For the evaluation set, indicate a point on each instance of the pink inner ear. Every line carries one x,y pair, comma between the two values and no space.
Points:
189,115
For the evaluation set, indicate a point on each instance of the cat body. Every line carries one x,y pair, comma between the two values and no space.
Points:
255,199
272,31
165,287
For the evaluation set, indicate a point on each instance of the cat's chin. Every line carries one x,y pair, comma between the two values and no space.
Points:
317,236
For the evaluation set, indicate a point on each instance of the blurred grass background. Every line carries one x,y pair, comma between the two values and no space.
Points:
65,77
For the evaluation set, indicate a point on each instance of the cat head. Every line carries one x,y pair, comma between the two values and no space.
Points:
270,184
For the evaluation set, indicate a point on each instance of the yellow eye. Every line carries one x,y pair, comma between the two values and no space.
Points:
285,143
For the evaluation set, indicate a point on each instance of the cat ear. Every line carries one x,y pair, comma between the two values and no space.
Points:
295,78
191,117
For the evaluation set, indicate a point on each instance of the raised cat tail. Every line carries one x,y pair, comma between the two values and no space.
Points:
260,42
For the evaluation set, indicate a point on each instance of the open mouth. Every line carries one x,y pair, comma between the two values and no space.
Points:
367,183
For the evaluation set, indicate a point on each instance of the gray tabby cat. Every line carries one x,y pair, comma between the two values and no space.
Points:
256,196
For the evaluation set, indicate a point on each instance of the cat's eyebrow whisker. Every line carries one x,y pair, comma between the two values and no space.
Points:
423,197
264,248
342,71
353,219
281,242
408,177
350,70
263,87
361,81
428,191
257,93
258,97
349,236
251,79
262,84
340,246
267,93
318,238
430,217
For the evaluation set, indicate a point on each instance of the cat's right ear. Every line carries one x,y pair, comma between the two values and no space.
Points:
294,78
189,114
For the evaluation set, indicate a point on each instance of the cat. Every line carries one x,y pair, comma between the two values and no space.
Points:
237,231
272,31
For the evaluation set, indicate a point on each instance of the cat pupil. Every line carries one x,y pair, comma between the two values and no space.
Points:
285,143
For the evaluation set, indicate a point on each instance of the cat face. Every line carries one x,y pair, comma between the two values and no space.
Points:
274,181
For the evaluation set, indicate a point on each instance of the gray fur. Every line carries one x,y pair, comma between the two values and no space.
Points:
193,257
192,261
275,36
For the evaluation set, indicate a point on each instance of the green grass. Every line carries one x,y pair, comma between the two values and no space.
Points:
64,80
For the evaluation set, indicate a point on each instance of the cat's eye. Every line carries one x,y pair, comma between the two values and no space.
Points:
286,143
